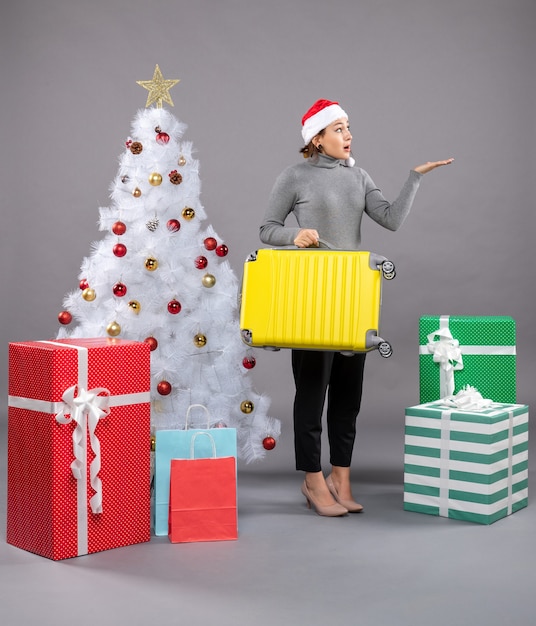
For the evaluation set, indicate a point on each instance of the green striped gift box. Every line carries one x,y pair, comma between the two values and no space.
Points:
488,354
467,465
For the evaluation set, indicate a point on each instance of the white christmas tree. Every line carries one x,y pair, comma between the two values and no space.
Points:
159,275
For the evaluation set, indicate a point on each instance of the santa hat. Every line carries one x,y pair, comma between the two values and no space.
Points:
320,115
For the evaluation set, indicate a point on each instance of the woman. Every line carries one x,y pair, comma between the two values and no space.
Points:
328,197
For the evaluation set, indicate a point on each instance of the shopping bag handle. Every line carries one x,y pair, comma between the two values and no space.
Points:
202,406
212,443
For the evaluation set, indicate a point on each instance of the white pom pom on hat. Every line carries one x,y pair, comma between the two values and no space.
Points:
320,115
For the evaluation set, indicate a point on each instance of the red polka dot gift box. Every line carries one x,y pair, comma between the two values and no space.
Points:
78,446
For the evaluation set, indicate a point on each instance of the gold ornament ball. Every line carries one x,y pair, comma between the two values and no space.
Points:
200,340
246,406
188,213
155,179
181,161
113,329
208,280
137,192
151,264
135,306
89,294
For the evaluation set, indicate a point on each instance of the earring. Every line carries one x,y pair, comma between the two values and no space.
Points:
319,148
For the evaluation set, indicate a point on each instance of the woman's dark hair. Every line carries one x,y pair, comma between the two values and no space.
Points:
310,150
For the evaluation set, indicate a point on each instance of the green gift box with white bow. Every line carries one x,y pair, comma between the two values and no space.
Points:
469,465
455,351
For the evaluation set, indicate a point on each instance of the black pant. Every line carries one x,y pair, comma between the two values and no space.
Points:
316,372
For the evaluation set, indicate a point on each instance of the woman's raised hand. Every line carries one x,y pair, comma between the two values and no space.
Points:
431,165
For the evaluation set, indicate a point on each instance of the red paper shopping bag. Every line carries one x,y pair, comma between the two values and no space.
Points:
202,499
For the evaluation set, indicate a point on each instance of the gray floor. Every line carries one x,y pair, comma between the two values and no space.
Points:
290,566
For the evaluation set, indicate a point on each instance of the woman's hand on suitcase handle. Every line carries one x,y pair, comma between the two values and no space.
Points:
431,165
306,237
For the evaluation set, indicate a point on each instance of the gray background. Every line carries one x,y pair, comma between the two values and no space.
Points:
421,80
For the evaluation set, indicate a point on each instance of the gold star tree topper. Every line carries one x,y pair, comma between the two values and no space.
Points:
158,88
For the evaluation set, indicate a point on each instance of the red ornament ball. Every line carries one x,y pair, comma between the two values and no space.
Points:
162,138
164,388
174,307
153,343
173,225
119,249
222,250
64,317
210,243
268,443
119,228
201,262
249,362
119,290
83,284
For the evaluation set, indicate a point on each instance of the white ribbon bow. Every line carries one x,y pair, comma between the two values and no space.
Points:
467,399
79,403
448,354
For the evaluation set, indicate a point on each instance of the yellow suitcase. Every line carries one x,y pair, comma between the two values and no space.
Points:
314,299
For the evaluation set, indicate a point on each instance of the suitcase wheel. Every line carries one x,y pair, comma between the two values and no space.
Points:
246,336
388,269
385,349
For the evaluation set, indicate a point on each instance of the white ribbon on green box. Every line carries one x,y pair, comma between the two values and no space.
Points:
444,464
85,408
510,461
446,351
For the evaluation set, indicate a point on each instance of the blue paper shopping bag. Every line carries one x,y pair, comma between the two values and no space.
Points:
175,444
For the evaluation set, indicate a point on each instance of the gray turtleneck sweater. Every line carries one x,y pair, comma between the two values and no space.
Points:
327,195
